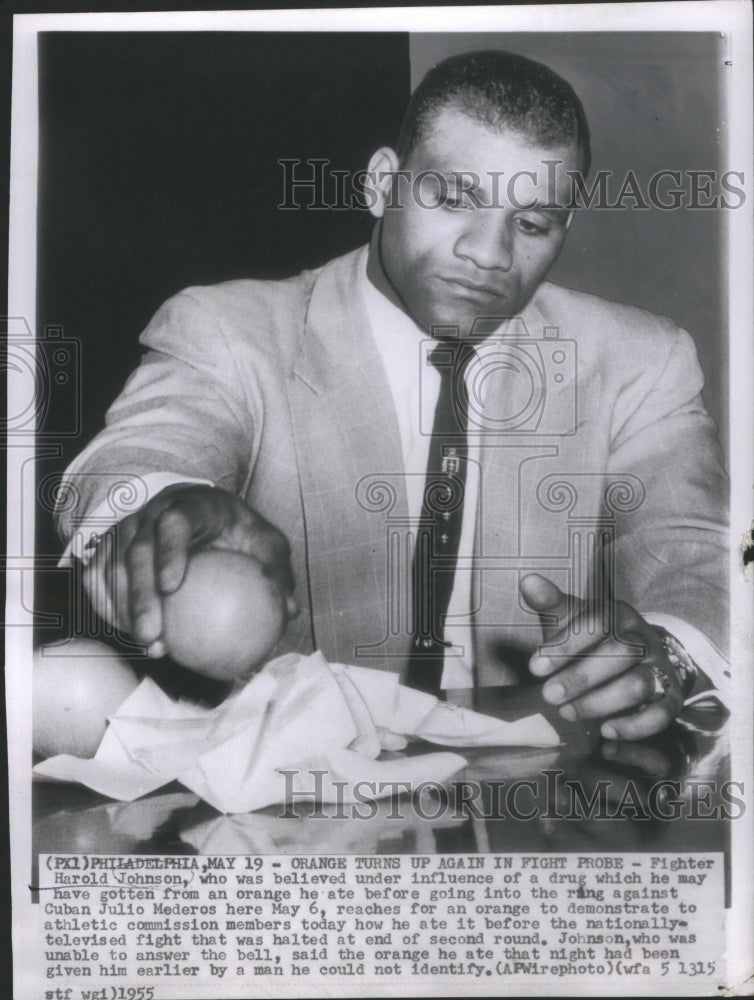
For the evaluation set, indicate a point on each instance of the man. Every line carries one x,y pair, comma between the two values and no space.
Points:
295,421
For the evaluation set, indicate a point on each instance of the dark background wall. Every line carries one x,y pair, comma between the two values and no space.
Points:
654,101
158,170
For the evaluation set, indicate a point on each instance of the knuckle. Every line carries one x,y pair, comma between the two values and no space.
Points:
141,604
577,679
138,548
139,553
639,686
172,517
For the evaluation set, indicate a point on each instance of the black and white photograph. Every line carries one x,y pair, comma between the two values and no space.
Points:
380,531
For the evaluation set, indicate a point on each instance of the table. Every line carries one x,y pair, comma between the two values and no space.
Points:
586,796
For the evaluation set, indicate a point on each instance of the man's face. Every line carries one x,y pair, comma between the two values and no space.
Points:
453,257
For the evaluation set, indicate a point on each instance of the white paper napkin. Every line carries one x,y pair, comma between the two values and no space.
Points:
299,714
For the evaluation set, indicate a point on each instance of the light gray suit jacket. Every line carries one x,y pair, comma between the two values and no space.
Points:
276,391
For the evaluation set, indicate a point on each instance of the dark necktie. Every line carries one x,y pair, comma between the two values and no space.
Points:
439,532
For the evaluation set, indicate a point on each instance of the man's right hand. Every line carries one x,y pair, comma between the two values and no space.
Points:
144,557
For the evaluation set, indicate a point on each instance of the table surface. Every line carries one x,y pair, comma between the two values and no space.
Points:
529,800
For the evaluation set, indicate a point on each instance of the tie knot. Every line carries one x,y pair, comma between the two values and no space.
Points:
449,354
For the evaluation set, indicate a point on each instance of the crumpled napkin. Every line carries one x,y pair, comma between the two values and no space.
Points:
300,715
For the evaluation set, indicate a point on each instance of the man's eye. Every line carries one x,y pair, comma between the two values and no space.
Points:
531,228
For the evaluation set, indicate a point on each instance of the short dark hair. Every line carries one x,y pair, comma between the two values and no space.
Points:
500,90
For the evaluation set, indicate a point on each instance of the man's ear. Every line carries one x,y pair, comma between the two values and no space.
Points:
378,183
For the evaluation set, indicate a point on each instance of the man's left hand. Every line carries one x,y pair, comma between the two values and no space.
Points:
624,676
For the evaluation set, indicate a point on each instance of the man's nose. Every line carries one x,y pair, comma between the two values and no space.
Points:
487,241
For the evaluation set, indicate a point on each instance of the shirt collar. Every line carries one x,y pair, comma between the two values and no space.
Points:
398,336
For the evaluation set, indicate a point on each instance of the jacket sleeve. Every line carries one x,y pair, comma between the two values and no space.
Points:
184,413
670,553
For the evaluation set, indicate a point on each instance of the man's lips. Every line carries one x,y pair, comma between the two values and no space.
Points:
474,289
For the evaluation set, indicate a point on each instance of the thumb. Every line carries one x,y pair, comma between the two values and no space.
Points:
548,600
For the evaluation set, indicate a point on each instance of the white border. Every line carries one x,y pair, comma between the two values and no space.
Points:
674,15
22,261
740,930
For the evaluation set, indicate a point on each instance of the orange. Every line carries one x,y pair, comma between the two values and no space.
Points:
77,685
226,617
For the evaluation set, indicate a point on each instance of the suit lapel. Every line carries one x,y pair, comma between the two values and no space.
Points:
512,524
347,442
